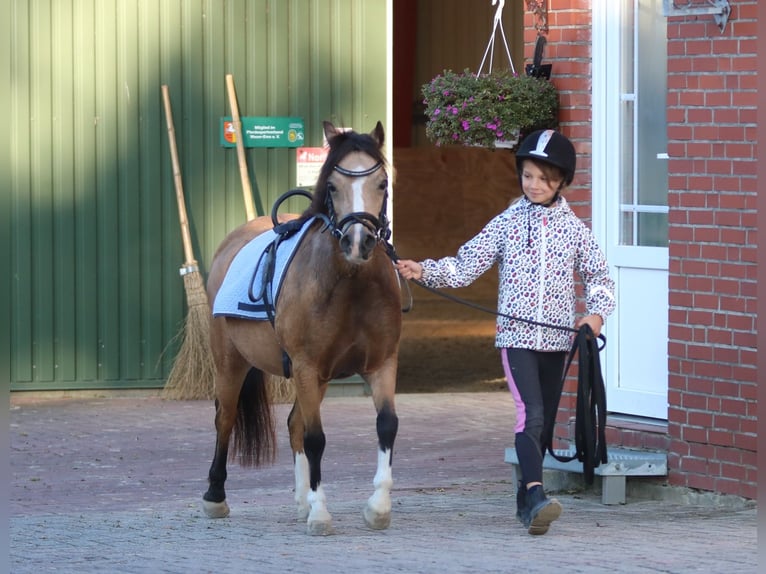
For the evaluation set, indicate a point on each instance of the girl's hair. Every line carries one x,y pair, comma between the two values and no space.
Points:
553,173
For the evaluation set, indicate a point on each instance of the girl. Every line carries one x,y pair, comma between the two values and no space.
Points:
538,242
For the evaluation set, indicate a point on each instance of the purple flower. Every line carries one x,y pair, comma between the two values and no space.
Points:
491,126
466,125
437,111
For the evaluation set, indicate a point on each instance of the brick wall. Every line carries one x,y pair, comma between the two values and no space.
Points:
712,102
711,434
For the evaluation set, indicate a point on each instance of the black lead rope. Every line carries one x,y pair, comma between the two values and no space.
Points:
590,414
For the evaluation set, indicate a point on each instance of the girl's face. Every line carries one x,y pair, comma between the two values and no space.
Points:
536,184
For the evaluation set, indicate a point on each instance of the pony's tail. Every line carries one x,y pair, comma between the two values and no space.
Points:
253,433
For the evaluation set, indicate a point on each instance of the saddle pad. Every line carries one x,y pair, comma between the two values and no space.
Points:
233,298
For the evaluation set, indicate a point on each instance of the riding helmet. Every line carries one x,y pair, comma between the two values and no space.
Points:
549,146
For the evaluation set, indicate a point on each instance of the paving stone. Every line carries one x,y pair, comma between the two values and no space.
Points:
115,485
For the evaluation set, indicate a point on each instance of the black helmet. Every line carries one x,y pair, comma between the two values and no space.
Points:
549,146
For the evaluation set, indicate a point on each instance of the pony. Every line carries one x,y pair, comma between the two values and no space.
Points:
338,313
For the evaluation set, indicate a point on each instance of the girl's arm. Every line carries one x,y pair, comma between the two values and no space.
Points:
473,258
593,269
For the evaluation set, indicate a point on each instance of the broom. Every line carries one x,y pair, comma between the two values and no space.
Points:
281,390
193,372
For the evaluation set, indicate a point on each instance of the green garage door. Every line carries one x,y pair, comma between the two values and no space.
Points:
90,243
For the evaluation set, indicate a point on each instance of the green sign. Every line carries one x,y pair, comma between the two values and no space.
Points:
264,132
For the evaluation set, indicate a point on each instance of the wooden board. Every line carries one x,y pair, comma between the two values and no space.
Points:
443,197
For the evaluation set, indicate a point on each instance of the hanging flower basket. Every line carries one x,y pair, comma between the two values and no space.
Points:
489,110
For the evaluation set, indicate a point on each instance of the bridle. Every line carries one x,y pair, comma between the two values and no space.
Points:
378,226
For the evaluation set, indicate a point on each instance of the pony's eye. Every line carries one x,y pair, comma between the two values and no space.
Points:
331,188
383,185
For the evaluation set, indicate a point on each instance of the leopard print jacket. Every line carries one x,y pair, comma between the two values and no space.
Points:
537,249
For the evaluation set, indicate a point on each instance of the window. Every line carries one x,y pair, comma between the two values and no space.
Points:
644,176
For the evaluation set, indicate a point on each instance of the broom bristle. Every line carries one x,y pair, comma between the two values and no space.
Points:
281,390
193,374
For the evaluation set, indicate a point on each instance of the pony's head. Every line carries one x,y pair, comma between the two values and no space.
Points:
352,190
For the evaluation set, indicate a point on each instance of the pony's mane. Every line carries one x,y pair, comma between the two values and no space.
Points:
341,145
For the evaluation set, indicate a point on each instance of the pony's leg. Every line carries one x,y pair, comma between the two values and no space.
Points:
307,440
300,461
228,383
377,513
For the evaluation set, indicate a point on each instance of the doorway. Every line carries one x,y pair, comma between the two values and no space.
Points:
444,196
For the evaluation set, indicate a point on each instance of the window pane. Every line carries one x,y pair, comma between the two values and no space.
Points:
651,104
626,229
653,229
626,179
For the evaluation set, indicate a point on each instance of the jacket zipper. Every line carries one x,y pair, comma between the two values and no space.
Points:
541,283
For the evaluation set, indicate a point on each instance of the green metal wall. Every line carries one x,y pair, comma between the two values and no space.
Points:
90,295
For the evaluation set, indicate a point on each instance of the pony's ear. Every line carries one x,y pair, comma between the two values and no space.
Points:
377,134
330,131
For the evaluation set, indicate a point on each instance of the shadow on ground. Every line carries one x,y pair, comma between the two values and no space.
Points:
448,347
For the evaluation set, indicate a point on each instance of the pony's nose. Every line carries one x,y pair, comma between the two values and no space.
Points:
345,244
368,244
357,246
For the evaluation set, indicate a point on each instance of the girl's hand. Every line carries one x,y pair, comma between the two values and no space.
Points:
594,321
409,269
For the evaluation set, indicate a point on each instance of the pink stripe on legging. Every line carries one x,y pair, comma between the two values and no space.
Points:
521,411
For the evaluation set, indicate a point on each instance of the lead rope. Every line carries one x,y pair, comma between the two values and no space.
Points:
590,414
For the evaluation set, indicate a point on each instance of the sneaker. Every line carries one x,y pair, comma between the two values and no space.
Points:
521,505
541,511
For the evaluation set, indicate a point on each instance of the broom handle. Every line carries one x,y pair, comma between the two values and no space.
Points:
185,235
243,173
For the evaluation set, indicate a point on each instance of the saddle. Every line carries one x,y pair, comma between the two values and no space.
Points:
251,286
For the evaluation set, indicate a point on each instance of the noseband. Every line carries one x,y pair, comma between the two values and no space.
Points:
377,225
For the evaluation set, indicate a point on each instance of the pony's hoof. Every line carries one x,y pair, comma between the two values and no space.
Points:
375,520
303,512
215,509
319,528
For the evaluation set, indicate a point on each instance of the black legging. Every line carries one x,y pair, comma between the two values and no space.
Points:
535,381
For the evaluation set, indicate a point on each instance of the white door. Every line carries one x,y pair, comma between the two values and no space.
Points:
630,182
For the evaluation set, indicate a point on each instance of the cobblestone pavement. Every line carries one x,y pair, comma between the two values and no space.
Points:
115,484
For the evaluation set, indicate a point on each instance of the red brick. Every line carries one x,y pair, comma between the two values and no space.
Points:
719,337
726,422
700,419
746,441
746,340
696,465
718,437
700,482
726,389
734,407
